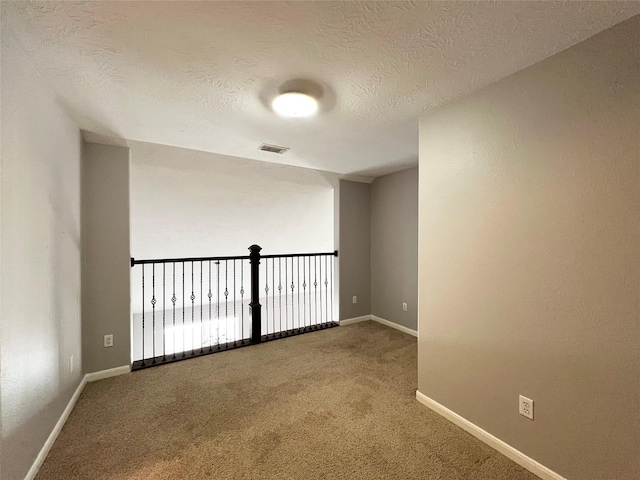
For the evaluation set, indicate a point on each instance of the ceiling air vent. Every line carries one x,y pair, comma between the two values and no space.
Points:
265,147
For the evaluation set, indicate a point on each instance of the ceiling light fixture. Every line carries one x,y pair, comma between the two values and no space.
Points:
295,104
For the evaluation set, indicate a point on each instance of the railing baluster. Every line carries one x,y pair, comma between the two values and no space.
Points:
310,318
173,301
266,298
326,291
193,309
235,319
320,268
298,289
218,304
209,295
153,311
201,305
280,294
242,297
293,318
304,293
286,297
184,305
226,299
143,359
331,265
164,312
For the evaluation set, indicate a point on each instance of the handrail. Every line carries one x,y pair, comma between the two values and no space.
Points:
293,255
242,257
187,259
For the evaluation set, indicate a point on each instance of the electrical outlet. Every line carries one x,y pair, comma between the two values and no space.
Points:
108,340
526,407
404,307
71,364
355,299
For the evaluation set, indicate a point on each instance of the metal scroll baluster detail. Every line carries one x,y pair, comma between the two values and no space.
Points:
209,295
293,320
310,319
218,305
304,293
193,309
226,299
153,311
173,301
315,287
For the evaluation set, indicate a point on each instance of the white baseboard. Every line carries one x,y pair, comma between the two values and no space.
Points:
494,442
33,471
111,372
349,321
394,325
89,377
366,318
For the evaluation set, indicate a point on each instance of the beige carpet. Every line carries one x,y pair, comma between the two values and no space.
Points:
334,404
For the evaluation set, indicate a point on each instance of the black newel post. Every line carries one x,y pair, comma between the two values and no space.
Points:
256,308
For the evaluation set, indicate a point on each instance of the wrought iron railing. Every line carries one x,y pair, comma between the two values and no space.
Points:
187,307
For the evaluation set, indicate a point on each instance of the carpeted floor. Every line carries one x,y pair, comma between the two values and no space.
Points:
334,404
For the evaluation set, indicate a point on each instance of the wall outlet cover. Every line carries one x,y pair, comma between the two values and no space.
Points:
108,340
525,407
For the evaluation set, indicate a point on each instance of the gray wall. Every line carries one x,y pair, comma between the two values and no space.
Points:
106,270
529,263
394,247
354,258
40,251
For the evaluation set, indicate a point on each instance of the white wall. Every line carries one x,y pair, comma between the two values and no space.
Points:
189,203
40,254
529,257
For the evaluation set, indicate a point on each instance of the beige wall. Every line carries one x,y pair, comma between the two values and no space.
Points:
40,251
529,255
394,247
354,257
105,259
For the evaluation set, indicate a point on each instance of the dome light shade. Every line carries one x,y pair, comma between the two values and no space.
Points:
295,104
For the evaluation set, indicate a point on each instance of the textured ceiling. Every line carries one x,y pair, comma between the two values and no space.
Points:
201,75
